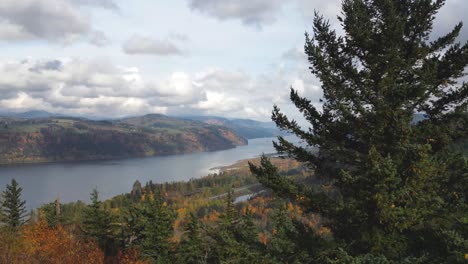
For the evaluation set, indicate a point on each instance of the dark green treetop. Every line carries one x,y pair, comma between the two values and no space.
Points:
234,239
13,208
98,224
194,247
151,227
397,189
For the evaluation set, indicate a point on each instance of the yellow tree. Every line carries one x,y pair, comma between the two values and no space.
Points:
55,245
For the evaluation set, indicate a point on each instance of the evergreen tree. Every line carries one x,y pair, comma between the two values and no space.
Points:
246,232
151,227
282,246
293,241
227,247
13,208
230,213
397,189
193,249
98,225
52,213
234,239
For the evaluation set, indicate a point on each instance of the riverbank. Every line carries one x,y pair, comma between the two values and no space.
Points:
73,181
101,158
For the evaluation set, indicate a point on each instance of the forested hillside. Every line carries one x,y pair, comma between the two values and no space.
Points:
66,139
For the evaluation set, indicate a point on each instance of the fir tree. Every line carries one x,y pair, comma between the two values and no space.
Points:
230,213
13,208
246,232
151,223
193,249
234,238
282,245
397,188
98,225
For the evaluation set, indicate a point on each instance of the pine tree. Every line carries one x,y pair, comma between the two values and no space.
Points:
246,232
282,247
193,249
13,208
234,238
98,225
230,213
397,188
151,224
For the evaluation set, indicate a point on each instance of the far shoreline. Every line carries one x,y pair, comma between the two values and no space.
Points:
98,159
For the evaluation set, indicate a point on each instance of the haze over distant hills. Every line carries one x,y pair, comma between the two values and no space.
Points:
244,127
30,114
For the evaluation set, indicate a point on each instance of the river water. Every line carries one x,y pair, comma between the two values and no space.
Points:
73,181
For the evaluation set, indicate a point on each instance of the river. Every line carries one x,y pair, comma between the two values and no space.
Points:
73,181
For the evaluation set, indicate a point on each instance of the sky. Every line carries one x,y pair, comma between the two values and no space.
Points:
115,58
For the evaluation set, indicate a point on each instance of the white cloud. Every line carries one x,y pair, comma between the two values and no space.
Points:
295,54
74,86
52,20
179,84
145,45
13,32
215,79
253,13
330,9
48,19
98,38
178,36
109,4
24,101
98,87
219,102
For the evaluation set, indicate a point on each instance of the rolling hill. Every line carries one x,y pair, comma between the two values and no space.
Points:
51,139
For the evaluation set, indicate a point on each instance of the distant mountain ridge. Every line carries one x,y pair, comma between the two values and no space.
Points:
244,127
47,139
31,114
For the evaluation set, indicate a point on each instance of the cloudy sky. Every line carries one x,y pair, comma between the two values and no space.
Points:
113,58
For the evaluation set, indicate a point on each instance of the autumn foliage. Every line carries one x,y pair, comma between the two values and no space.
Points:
46,244
40,243
204,226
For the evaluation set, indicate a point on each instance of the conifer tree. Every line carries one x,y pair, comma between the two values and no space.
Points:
52,213
246,232
151,224
397,189
230,213
98,225
234,238
193,249
12,207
